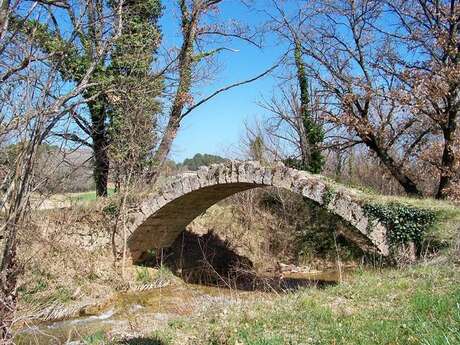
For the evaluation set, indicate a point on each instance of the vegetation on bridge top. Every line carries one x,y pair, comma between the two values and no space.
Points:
410,218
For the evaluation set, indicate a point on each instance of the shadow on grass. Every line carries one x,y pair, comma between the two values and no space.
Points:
142,341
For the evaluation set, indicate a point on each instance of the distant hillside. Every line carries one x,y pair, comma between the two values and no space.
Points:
64,170
201,160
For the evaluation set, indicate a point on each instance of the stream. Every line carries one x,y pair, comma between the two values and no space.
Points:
137,313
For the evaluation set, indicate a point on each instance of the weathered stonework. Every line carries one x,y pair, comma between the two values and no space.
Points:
184,197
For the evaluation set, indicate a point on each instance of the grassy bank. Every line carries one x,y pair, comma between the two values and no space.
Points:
86,196
418,305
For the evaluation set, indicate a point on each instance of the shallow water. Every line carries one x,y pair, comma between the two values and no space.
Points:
135,313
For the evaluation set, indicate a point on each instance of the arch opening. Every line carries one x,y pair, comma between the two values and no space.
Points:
261,239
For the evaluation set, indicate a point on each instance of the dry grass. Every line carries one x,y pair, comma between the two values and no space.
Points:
68,263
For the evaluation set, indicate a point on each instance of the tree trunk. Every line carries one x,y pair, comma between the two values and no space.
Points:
8,280
4,7
18,206
165,146
305,149
312,159
304,145
100,146
448,157
9,268
395,169
189,27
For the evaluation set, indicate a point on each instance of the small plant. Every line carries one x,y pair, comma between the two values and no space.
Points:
163,273
98,338
150,258
92,276
111,209
28,293
143,275
328,195
40,285
63,294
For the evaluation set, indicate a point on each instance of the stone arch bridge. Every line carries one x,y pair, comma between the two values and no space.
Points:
180,199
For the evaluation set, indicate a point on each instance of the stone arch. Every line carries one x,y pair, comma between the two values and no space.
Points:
180,199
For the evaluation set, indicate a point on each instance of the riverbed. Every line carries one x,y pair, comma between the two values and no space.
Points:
132,314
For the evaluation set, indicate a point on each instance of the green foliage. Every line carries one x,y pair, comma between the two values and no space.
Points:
295,163
39,284
83,197
134,107
122,82
140,37
144,276
62,294
39,290
307,230
202,160
149,258
316,238
404,223
64,54
163,272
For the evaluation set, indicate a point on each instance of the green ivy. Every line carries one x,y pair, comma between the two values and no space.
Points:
313,129
328,195
111,209
404,223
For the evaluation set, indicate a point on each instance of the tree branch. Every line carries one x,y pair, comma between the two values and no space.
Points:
204,100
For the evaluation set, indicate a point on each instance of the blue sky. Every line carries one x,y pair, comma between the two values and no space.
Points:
217,126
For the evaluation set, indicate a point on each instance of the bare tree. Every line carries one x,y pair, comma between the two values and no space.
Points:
200,20
294,116
131,142
33,99
390,88
346,51
286,128
428,67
